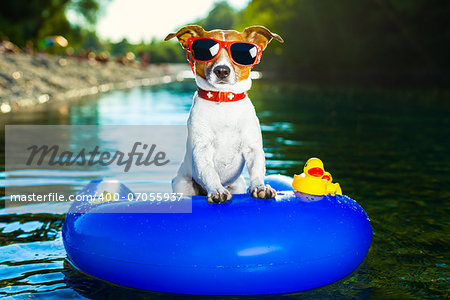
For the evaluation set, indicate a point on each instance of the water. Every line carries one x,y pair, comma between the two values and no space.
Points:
387,148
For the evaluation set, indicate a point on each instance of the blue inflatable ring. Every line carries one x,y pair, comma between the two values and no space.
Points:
246,246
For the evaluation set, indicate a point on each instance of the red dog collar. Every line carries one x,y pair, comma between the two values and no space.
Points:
220,96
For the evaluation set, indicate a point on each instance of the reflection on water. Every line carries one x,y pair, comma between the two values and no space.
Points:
388,149
137,107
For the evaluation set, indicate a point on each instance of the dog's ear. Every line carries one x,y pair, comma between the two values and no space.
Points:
260,35
186,32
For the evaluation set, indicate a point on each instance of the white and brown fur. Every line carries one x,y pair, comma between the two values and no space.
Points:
223,137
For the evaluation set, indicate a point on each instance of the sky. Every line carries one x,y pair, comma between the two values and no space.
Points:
139,20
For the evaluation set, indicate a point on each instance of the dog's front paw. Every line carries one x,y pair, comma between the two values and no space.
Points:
263,192
219,196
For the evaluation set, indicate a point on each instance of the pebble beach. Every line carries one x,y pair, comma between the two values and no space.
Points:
31,82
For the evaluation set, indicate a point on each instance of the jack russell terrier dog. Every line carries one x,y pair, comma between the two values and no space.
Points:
223,130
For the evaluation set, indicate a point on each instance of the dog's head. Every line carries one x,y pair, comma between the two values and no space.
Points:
223,72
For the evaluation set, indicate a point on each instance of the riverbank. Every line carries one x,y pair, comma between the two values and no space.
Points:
31,82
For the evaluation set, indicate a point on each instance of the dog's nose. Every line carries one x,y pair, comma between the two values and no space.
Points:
222,71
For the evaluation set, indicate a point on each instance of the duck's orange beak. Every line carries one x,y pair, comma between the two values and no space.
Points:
316,172
326,177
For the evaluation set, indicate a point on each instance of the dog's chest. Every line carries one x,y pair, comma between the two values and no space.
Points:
222,118
225,125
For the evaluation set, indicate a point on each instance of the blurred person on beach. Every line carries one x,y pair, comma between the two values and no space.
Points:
7,47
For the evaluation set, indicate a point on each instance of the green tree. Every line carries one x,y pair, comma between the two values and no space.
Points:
331,39
222,16
92,42
23,20
166,52
120,48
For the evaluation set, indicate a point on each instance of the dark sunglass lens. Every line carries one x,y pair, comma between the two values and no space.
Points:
244,53
204,49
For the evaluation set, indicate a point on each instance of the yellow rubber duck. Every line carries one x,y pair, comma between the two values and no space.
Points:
310,181
314,180
332,188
